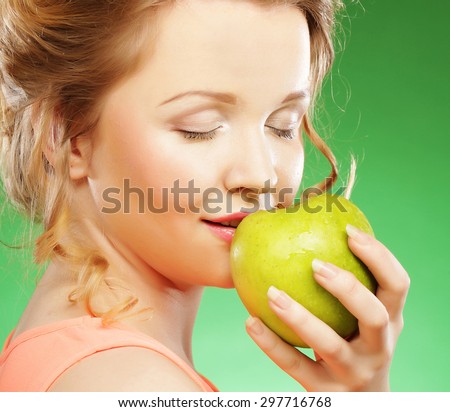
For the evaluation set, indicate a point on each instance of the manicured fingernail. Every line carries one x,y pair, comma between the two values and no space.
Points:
324,269
356,234
278,297
254,325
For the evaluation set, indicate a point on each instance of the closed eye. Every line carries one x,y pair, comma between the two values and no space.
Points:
288,134
199,135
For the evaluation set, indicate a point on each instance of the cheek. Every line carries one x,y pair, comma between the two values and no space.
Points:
136,161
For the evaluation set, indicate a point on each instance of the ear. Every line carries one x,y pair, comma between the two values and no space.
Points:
79,156
80,149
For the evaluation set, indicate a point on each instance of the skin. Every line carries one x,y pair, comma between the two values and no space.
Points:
167,259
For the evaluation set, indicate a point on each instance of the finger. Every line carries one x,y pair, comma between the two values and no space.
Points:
333,349
373,318
296,364
392,278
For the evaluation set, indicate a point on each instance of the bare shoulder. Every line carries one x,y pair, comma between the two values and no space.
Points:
125,370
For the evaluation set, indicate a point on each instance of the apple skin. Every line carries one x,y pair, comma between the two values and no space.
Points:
277,248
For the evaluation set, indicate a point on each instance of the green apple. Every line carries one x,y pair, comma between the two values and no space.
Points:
277,248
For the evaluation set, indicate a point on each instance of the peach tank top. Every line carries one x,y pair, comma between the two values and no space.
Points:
37,357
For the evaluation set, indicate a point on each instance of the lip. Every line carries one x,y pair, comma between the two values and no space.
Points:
225,232
229,218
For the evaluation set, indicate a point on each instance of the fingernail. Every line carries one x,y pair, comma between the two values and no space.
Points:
324,269
278,297
254,325
356,234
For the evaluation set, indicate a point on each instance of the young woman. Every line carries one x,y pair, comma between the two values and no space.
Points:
120,117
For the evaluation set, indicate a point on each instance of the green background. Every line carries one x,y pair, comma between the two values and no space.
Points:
387,102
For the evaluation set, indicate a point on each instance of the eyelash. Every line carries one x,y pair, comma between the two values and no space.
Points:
288,134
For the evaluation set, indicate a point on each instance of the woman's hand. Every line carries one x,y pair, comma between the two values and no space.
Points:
361,364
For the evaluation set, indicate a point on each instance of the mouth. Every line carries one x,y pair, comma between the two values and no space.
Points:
233,224
225,227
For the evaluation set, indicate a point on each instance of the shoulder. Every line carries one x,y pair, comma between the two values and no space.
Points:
128,369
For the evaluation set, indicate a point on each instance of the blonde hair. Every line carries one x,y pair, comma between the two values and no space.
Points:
57,60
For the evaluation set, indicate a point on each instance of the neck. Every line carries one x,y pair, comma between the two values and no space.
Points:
173,307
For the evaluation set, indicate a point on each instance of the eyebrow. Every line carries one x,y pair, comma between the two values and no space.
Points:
231,98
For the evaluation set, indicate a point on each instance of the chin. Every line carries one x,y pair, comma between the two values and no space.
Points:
228,284
223,281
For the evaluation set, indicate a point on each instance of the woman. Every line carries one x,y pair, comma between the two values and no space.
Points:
127,103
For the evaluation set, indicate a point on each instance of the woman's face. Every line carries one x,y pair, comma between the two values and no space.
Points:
233,74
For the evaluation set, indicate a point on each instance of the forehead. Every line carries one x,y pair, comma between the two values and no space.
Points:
223,44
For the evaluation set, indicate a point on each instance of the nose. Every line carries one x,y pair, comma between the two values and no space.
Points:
252,166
